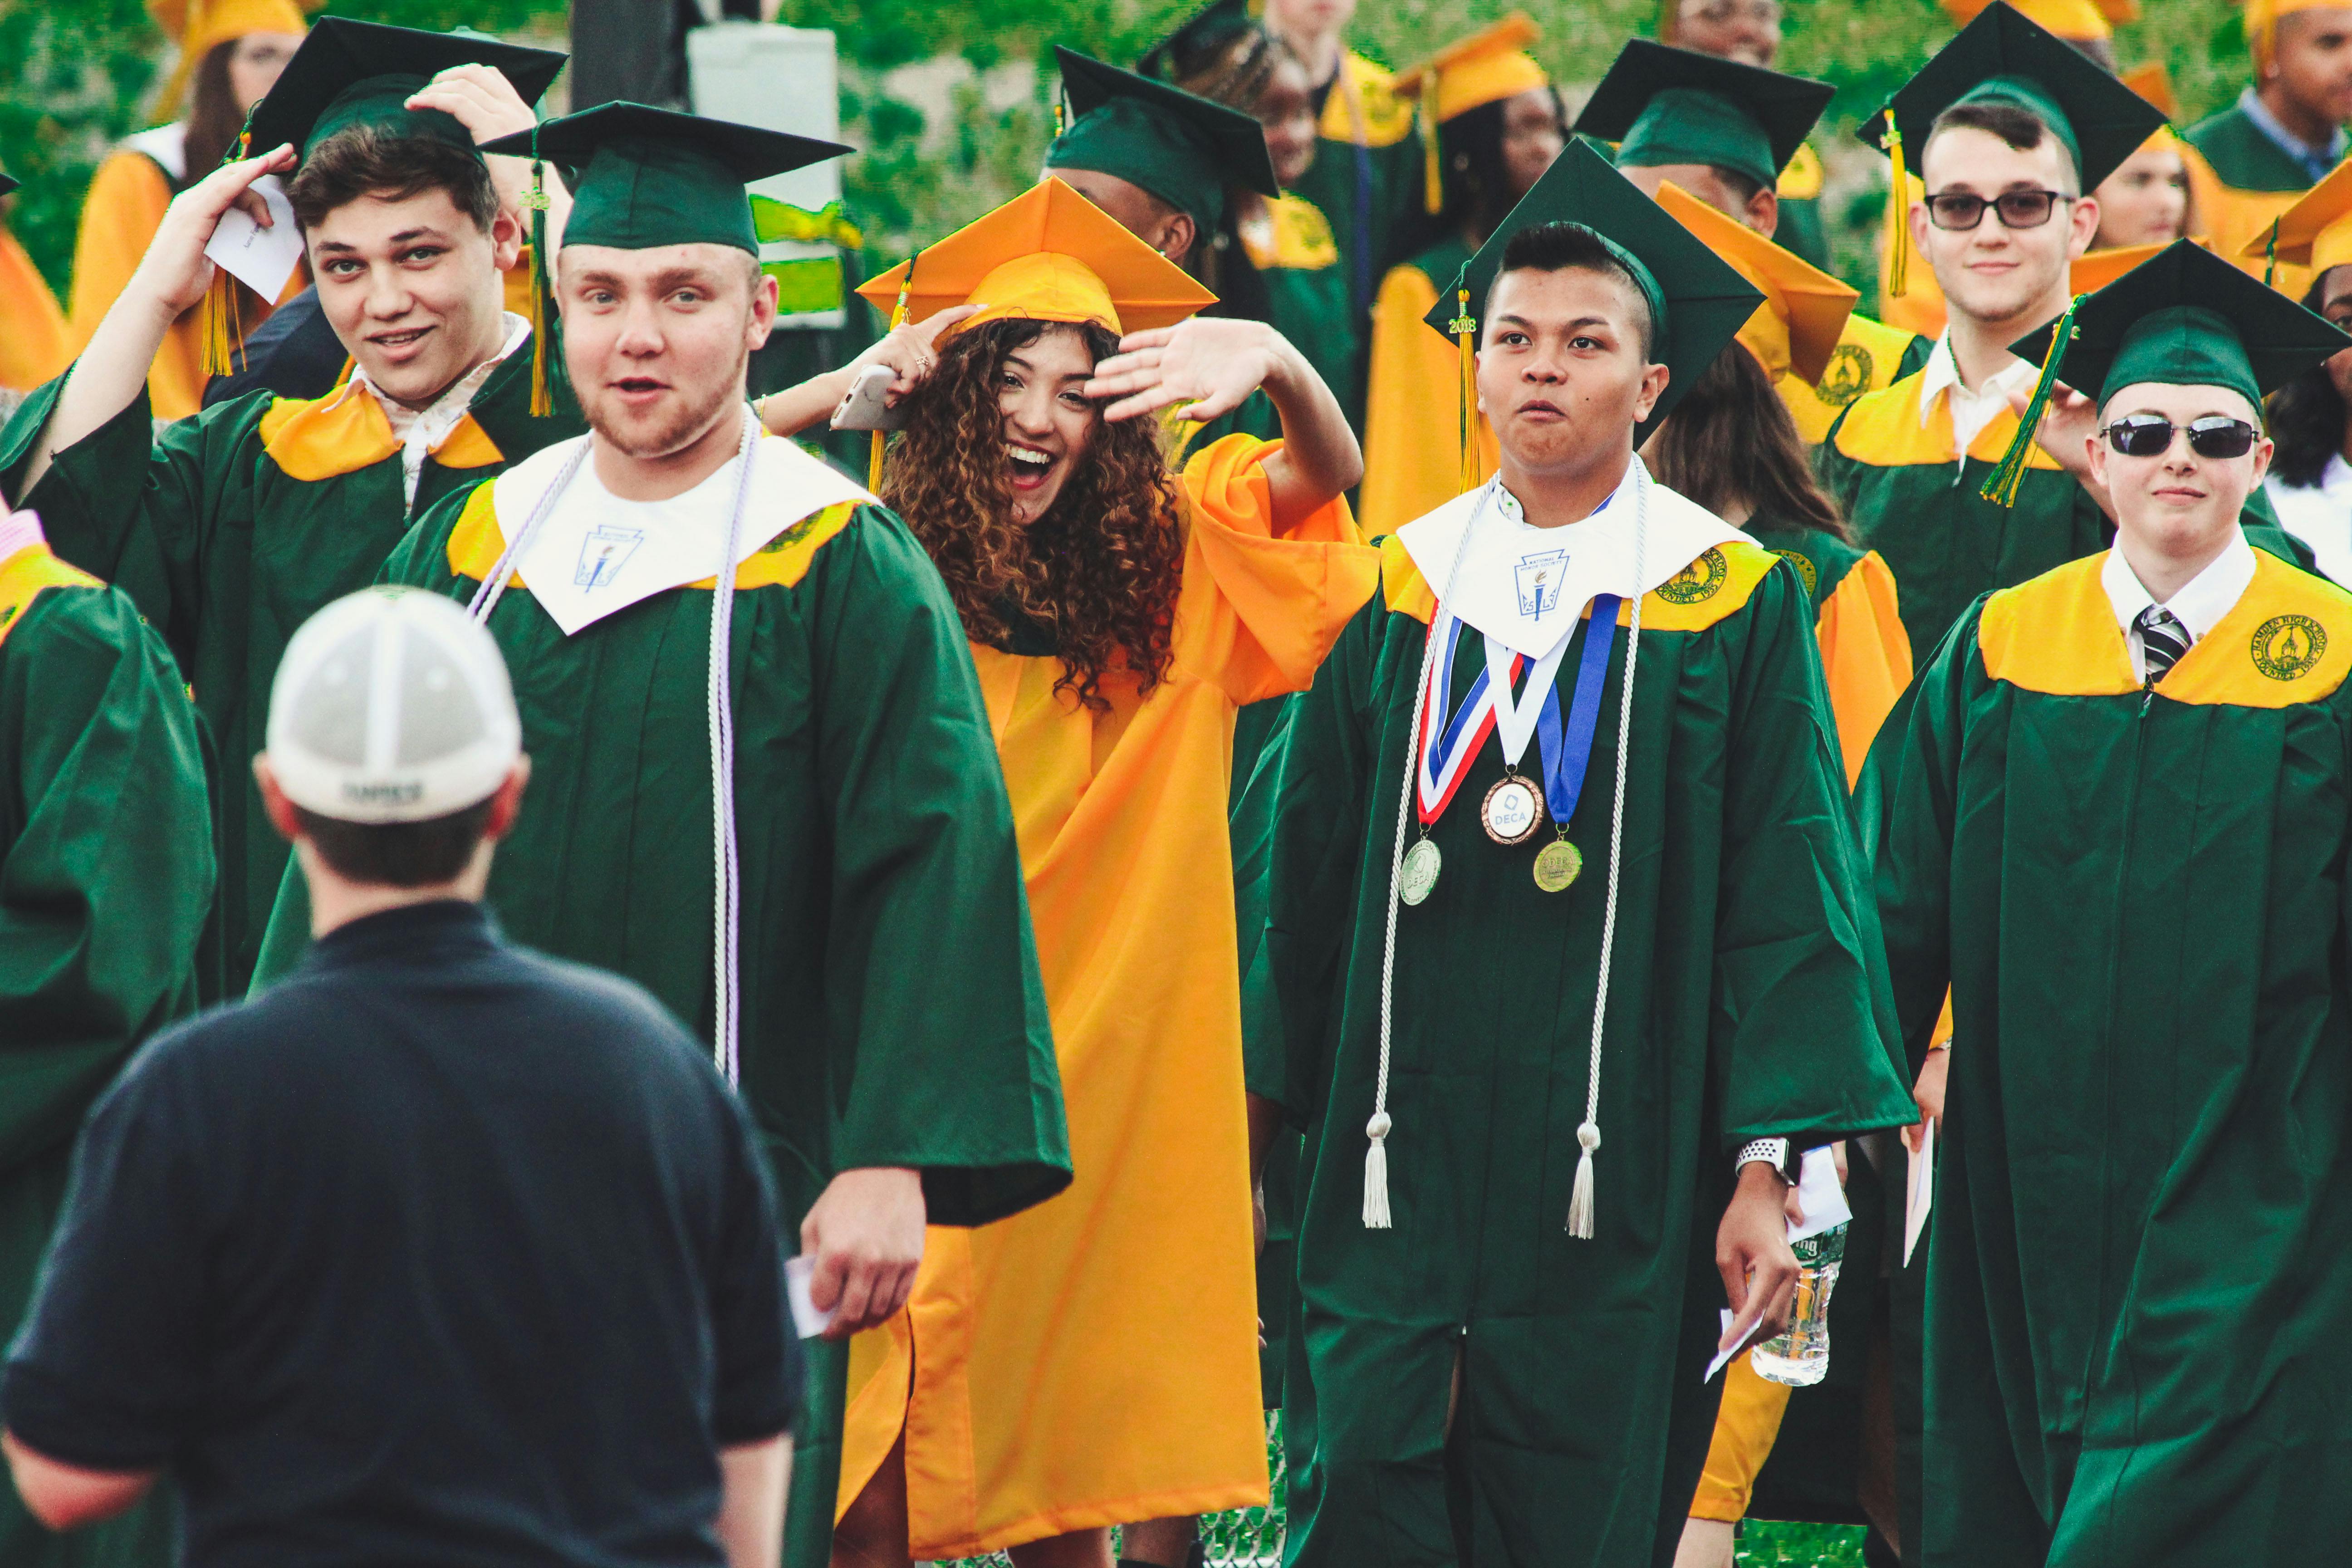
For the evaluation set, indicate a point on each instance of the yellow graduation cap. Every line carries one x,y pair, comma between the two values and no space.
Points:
2154,83
2095,269
2262,19
2317,232
1485,67
198,26
1797,327
1047,255
2076,19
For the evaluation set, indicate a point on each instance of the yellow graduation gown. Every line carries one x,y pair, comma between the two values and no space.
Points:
119,218
2231,216
1133,1291
35,344
1412,420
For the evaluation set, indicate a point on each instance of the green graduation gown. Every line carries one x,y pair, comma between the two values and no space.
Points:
2242,156
105,872
2138,1277
228,529
1366,180
1746,1001
892,1014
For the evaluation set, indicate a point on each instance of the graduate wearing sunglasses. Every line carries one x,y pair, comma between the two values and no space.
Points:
2117,828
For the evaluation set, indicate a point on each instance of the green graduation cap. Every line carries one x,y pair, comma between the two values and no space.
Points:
1697,301
1666,105
2186,318
1183,149
352,73
6,184
1211,27
654,177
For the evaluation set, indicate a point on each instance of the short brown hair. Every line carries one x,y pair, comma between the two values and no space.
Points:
397,854
365,160
2014,123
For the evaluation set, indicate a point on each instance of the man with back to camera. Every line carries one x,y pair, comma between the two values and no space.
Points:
230,528
441,1250
1484,1287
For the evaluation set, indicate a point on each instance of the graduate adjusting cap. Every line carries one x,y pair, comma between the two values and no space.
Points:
1469,73
1666,105
2082,20
2317,232
352,73
1797,327
1212,26
2186,318
2001,58
199,27
1047,255
650,178
1183,149
391,705
1697,301
1485,67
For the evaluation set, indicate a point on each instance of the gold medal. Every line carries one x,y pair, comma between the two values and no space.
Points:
1422,864
1558,864
1513,810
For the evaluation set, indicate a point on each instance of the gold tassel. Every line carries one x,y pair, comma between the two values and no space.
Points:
220,329
1463,328
542,401
898,320
2003,487
1433,195
1898,215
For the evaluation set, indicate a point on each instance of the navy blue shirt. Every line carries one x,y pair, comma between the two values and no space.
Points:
439,1251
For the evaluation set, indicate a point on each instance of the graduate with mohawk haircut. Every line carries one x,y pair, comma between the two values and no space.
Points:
2116,830
1572,941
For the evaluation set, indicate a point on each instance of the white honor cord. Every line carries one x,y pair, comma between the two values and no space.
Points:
1376,1157
727,895
1588,1132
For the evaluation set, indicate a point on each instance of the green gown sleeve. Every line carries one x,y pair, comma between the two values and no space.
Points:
929,948
1321,814
131,506
108,865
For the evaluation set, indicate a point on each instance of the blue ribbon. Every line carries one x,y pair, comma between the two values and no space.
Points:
1566,761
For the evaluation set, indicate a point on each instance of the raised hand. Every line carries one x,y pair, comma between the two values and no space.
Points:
174,273
1209,364
480,98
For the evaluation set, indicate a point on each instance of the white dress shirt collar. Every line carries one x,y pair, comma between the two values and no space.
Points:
1971,411
2199,604
419,430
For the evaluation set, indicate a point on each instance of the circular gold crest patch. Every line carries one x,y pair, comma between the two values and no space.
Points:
1805,569
2286,647
1848,375
1698,581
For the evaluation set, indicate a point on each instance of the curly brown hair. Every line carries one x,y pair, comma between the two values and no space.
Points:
1097,574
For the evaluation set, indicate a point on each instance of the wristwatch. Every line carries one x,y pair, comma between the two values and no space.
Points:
1773,1151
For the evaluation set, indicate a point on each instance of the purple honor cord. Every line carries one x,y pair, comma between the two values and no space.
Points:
1566,760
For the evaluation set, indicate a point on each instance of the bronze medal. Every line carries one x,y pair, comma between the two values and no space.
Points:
1558,864
1513,810
1419,875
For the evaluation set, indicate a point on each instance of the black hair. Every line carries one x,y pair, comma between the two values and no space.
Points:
1732,440
398,854
2307,416
2014,123
1565,246
1232,67
367,161
1475,179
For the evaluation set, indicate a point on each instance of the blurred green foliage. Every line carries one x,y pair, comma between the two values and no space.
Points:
75,74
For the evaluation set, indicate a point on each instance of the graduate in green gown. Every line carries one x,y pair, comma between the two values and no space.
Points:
2116,828
229,529
1517,1230
1908,464
776,804
106,870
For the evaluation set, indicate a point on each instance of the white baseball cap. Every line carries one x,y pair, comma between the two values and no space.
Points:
391,705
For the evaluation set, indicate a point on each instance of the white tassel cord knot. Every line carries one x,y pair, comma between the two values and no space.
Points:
1375,1172
1579,1200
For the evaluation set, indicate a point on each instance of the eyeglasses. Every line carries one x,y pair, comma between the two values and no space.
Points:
1958,211
2150,436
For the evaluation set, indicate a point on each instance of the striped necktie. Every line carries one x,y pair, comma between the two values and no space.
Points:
2162,641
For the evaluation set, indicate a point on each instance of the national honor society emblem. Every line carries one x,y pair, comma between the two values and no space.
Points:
604,553
2287,646
1538,582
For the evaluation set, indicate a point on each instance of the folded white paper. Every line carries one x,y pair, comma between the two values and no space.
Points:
806,1318
1919,1195
1740,1341
260,259
1820,1196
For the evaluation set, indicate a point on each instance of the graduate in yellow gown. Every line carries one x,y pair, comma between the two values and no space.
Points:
1095,1360
230,54
34,345
1494,124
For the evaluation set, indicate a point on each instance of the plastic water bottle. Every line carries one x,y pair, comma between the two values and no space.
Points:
1800,1356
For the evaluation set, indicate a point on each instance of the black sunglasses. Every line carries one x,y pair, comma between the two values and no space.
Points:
2150,436
1958,211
